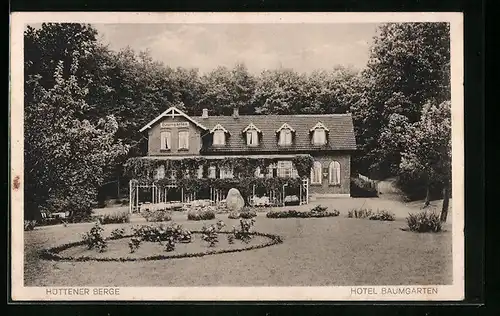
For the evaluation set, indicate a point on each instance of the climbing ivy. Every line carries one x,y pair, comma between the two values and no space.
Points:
143,169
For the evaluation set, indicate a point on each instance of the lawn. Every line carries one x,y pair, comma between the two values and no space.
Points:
315,252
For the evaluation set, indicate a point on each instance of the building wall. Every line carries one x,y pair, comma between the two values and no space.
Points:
345,175
154,143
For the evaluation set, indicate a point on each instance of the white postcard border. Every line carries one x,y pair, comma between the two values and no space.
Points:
333,293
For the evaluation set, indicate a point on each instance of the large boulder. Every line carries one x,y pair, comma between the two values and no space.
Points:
234,200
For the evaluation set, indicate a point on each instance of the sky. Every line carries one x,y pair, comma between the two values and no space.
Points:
302,47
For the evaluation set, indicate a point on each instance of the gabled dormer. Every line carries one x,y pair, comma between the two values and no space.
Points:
173,132
252,134
219,134
285,135
319,134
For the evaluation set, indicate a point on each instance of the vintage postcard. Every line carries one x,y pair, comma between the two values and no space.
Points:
237,156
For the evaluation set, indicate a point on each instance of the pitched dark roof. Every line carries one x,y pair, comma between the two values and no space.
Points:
340,135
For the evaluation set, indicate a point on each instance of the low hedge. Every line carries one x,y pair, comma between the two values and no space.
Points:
115,218
200,214
157,216
379,215
53,253
382,215
301,214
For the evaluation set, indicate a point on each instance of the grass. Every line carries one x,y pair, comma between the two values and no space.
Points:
314,252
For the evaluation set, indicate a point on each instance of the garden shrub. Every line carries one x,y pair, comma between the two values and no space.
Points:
95,239
115,218
171,234
319,212
248,212
363,188
201,213
29,225
244,231
134,243
382,215
424,222
161,232
210,233
319,208
117,233
156,216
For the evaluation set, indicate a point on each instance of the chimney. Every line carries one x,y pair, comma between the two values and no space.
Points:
204,114
236,112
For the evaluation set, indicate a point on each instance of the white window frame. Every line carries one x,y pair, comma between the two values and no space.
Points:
219,138
319,127
165,140
334,169
316,136
226,173
182,132
286,137
317,167
270,170
258,173
286,169
252,137
160,172
212,170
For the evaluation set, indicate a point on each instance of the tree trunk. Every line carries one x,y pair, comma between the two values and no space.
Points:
446,202
427,201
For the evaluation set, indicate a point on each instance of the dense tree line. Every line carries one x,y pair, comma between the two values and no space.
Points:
78,89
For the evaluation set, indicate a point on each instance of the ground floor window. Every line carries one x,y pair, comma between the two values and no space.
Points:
286,169
316,173
226,173
334,172
160,173
212,172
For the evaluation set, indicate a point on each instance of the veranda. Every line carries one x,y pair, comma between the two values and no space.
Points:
279,184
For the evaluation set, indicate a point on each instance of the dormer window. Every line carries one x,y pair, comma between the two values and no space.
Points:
219,135
219,138
252,134
319,134
285,135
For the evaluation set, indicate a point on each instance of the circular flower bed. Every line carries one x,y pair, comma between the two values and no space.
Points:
118,249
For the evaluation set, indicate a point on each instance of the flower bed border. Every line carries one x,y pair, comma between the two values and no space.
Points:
302,214
53,253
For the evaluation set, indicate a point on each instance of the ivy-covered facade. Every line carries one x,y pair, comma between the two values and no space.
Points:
285,154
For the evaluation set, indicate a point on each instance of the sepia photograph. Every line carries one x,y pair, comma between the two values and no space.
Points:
245,156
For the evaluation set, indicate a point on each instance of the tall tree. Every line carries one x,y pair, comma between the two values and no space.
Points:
278,92
224,89
409,65
428,149
64,160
